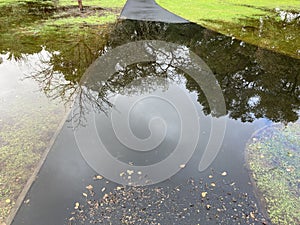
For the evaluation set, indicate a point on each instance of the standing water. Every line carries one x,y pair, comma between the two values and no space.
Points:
163,130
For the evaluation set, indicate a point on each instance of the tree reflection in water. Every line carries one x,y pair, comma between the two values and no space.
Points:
256,83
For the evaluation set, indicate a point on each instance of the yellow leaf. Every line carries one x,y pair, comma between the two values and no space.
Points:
224,173
76,205
89,187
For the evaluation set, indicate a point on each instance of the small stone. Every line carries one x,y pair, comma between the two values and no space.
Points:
203,194
213,184
208,207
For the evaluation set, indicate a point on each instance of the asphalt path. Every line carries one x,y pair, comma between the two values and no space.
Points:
149,10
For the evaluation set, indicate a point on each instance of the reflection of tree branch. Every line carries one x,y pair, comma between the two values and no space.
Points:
243,72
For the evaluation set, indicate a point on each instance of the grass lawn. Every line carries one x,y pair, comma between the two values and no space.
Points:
255,22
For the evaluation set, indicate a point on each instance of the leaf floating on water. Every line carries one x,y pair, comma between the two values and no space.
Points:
76,205
203,194
105,196
130,172
252,215
224,173
89,187
98,177
122,174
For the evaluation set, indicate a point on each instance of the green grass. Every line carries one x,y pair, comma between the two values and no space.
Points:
100,3
231,16
90,20
227,10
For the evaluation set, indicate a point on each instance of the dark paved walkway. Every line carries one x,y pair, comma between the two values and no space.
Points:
60,182
149,10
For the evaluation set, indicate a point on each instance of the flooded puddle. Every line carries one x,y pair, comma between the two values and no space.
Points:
169,146
120,105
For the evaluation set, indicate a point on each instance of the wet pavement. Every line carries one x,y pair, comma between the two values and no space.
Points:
148,10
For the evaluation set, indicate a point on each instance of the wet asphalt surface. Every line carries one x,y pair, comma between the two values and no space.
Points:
148,10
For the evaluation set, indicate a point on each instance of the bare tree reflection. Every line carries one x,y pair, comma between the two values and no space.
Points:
256,83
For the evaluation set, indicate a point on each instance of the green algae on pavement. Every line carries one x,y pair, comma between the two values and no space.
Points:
273,157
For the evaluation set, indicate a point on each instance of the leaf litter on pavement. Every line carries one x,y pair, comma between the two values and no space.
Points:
192,202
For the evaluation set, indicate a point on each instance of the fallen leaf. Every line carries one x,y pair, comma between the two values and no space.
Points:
105,196
98,177
76,205
122,174
130,172
89,187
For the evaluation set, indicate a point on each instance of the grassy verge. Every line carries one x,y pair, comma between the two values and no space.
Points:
255,22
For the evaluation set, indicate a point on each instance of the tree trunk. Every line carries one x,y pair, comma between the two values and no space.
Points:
80,5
